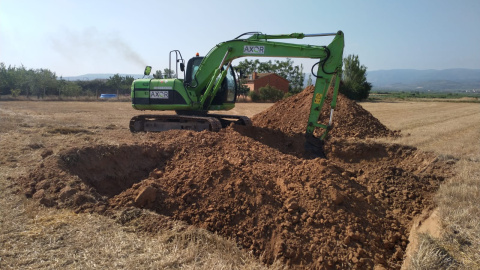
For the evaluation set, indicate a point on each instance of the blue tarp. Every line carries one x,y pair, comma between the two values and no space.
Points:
108,96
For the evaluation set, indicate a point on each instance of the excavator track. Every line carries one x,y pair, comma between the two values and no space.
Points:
156,123
226,119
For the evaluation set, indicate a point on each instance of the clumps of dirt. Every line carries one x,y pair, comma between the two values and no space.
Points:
83,178
350,120
350,211
254,185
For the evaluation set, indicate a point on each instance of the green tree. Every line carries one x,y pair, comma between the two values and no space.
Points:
47,82
168,73
242,88
246,66
269,67
115,82
21,80
3,79
296,78
71,89
38,82
354,81
158,74
32,81
92,87
128,81
9,79
127,84
120,84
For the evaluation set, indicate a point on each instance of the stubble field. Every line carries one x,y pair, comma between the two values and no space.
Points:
84,237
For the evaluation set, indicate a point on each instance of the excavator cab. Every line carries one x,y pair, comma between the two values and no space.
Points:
192,67
228,90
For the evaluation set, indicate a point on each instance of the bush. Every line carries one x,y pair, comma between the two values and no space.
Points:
355,91
288,94
270,93
15,92
254,96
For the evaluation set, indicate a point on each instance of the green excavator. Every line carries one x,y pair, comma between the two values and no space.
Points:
210,84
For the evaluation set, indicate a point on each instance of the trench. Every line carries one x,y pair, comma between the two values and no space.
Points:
112,169
364,196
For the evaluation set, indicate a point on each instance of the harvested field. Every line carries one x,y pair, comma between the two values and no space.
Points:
253,185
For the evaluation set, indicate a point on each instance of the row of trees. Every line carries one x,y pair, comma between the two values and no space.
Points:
167,73
40,83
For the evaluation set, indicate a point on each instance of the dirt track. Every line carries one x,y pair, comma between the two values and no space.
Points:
254,185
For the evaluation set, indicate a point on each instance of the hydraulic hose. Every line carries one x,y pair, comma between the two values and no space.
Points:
321,64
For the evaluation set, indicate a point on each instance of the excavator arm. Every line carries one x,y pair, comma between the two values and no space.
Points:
328,74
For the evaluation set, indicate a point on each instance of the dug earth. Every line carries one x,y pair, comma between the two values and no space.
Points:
257,186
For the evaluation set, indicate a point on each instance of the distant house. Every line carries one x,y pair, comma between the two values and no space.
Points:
257,80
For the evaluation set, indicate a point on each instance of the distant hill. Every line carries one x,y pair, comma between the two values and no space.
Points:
424,80
446,80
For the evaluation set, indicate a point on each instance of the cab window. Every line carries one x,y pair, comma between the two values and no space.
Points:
231,85
192,68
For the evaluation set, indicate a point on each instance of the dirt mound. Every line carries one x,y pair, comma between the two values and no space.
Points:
350,120
351,211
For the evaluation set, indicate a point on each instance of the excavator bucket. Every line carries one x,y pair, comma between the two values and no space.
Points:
314,146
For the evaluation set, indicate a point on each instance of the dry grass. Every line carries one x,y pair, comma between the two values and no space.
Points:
450,130
32,236
445,128
43,238
35,237
459,205
59,239
431,256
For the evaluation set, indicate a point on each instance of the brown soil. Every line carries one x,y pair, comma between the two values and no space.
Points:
350,119
256,186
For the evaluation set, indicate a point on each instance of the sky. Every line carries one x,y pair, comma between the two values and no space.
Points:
76,37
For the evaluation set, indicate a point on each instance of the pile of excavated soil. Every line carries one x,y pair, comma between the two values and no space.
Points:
350,120
350,211
307,213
